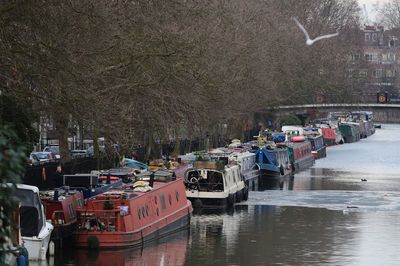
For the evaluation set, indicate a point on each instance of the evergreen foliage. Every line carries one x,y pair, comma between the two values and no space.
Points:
12,161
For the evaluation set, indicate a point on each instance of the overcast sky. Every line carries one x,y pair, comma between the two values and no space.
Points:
370,5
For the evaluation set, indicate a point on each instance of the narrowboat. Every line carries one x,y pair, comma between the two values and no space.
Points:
274,162
332,136
35,230
300,154
350,131
364,117
245,159
133,215
318,148
214,184
329,131
60,207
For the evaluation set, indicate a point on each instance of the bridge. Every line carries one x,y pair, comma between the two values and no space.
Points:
383,113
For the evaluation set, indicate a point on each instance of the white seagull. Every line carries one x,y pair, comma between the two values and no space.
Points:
308,40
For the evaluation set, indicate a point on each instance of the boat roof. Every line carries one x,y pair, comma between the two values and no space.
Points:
128,192
27,187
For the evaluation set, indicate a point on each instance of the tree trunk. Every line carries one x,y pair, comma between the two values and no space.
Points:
61,125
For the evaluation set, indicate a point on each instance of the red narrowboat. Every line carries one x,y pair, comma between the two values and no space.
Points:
60,207
133,215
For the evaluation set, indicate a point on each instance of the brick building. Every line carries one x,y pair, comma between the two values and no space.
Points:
377,61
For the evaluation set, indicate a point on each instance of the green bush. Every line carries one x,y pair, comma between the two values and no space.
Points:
290,120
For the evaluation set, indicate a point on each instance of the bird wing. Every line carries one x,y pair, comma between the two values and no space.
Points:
326,36
302,28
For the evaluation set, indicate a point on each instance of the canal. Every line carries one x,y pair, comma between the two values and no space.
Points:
343,211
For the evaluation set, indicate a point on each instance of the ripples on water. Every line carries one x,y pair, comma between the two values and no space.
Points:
324,216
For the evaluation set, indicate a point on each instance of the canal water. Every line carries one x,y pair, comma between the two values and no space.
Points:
323,216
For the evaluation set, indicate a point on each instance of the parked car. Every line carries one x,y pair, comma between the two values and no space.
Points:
40,157
55,149
78,153
90,150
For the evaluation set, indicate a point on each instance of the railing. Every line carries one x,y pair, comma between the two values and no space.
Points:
58,218
100,220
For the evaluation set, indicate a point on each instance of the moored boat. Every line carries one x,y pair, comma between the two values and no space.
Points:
274,162
214,184
300,154
60,207
318,148
364,117
35,230
350,131
133,215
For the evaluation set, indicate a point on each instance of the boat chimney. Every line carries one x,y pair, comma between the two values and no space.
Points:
55,196
151,181
108,180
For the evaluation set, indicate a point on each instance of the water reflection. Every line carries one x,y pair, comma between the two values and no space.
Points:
275,184
267,235
273,235
169,250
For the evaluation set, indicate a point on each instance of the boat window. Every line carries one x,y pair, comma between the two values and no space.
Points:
29,198
162,200
29,221
71,210
177,195
143,212
157,212
79,203
139,214
155,199
170,199
147,210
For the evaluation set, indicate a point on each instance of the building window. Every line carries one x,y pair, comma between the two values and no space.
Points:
377,73
355,57
368,57
363,73
350,73
389,73
374,36
367,37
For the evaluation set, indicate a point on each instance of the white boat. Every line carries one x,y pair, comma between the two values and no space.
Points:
35,230
214,185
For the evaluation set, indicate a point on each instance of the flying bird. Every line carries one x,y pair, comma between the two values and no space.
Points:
310,41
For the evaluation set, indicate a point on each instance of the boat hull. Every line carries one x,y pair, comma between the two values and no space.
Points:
320,153
159,229
37,246
303,164
211,200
